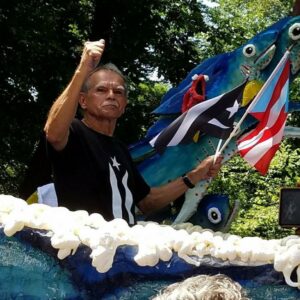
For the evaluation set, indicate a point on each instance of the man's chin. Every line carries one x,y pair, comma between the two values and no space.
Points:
110,114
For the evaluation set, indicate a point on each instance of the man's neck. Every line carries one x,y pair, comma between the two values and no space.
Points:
104,126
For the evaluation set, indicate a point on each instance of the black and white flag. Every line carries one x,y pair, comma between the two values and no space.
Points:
214,117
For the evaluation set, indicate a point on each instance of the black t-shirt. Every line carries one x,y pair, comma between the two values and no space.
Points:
95,172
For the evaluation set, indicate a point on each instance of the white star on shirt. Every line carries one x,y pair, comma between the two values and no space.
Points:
233,109
115,163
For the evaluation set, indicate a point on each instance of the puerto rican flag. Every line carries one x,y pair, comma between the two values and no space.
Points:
214,117
260,145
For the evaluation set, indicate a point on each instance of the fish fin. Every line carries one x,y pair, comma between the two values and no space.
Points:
250,91
196,136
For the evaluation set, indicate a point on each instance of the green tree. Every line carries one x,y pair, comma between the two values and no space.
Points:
143,98
259,195
234,22
37,55
152,34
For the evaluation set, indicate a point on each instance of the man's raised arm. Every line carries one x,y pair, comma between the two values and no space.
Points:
64,108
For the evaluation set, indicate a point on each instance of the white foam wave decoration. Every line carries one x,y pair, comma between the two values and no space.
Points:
67,230
288,259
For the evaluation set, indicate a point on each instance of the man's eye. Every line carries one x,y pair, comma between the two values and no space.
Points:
119,92
102,90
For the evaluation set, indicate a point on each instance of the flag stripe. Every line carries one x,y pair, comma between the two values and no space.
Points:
217,123
279,92
261,165
282,70
164,136
266,127
262,146
190,118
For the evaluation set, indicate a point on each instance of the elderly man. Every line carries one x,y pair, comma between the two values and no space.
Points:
92,169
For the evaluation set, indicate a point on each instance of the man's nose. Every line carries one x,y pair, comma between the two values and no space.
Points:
111,93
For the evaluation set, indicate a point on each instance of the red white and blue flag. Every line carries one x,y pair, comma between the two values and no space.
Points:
260,145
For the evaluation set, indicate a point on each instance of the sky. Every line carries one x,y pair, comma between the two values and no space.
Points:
209,3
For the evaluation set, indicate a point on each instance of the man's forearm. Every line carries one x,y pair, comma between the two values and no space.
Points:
63,112
160,197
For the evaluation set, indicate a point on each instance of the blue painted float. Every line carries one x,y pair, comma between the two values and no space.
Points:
30,270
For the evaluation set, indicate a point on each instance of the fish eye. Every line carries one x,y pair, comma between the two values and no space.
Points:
294,32
249,50
214,215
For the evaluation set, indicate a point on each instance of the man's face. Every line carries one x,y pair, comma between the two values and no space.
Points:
106,97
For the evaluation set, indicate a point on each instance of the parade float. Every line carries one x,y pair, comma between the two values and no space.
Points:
53,253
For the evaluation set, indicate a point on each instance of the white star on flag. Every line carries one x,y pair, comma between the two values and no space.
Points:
115,163
233,109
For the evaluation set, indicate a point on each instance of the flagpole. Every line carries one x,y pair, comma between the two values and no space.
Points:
256,98
218,150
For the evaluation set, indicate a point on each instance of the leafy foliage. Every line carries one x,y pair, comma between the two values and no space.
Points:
39,40
259,195
138,118
151,34
236,21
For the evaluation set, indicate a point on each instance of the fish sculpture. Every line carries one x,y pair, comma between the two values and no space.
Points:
256,59
53,253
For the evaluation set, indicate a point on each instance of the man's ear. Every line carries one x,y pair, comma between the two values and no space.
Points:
82,100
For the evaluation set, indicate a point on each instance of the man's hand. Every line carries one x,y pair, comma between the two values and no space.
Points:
215,167
91,55
206,169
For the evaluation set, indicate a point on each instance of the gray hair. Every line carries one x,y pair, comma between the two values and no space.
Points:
107,67
203,287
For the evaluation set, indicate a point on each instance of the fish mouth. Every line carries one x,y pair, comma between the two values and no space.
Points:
245,70
260,63
265,57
